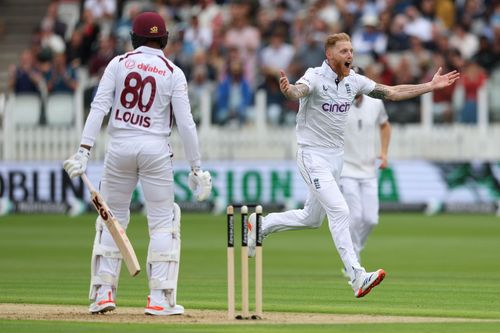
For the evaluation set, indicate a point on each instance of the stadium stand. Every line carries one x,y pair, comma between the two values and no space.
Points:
419,35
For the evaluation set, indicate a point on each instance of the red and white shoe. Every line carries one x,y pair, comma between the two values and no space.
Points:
162,308
365,282
104,302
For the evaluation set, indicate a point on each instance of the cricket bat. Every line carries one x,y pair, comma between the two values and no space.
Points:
115,229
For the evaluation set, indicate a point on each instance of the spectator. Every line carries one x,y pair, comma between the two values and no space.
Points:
418,56
242,35
473,78
485,56
104,12
200,60
199,85
368,38
418,25
49,39
74,49
309,54
275,101
281,21
406,111
197,37
445,12
442,107
277,55
105,53
59,26
398,40
233,96
464,41
124,26
90,32
25,78
60,77
210,14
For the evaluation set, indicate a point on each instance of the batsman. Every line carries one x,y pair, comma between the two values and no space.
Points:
142,91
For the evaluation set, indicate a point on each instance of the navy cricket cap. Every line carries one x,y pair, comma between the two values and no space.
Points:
149,25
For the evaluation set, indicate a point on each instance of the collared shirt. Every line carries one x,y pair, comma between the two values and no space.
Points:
323,112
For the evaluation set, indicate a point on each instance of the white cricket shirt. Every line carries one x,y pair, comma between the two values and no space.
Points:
323,112
362,138
143,90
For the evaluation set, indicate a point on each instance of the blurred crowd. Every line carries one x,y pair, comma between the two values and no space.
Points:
232,49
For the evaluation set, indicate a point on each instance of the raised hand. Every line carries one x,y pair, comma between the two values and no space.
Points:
284,83
440,81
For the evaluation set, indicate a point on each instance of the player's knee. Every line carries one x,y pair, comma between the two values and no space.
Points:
312,218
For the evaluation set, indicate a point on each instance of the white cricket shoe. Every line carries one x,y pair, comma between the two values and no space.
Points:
364,282
104,302
252,235
162,308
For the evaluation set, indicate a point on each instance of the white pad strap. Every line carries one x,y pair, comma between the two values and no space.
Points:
107,252
163,256
171,256
104,279
174,231
100,251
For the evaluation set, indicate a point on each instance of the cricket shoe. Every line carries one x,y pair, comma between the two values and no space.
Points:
365,282
104,302
252,235
162,308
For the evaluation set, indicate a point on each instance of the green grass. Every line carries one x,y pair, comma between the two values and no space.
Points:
446,265
63,327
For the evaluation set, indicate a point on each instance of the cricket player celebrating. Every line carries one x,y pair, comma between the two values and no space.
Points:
367,119
326,94
143,92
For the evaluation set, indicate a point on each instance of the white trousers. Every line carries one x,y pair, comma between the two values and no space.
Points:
361,196
148,161
320,169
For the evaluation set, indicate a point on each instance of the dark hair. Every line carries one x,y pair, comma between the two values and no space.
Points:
140,41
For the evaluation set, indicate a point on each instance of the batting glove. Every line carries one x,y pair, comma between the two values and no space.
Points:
200,183
77,164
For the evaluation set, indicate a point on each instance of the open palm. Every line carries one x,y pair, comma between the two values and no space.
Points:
440,81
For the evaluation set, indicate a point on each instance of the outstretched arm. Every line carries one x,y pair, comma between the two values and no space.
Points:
292,91
406,91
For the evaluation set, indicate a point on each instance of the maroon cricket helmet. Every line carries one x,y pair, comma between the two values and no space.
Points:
149,25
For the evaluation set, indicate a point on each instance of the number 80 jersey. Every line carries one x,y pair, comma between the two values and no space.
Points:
142,90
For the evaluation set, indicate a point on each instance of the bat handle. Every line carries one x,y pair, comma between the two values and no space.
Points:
87,182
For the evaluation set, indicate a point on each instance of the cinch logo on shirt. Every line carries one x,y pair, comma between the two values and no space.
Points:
327,107
152,69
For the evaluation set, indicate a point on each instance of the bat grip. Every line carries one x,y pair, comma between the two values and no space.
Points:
87,182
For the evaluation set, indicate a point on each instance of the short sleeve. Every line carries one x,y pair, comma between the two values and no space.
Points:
307,79
365,85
